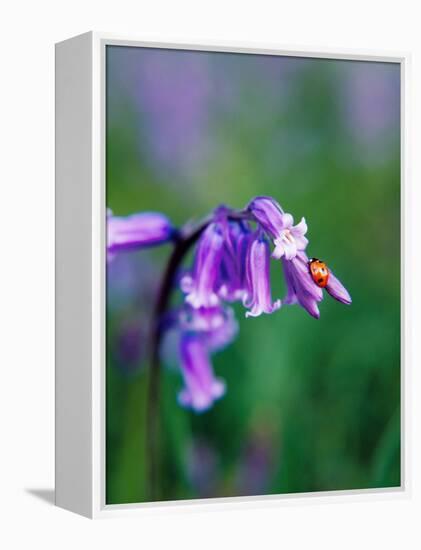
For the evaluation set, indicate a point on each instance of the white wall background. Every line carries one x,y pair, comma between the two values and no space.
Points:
28,32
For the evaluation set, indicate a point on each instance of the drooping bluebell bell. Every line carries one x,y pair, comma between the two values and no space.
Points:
137,231
217,324
200,285
259,299
232,281
288,239
203,331
201,388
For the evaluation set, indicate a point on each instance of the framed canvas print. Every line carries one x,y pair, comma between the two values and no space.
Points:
229,274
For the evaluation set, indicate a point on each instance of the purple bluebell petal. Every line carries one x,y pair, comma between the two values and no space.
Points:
259,299
201,319
285,247
310,305
229,281
287,220
217,325
186,283
298,232
288,239
232,281
137,231
206,269
203,331
291,296
224,334
201,387
268,213
337,290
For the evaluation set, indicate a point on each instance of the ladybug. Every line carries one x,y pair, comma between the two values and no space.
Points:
319,272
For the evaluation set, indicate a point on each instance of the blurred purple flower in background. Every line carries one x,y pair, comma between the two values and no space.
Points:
202,466
177,95
257,463
130,345
131,282
371,107
217,324
204,331
231,263
223,334
171,96
201,387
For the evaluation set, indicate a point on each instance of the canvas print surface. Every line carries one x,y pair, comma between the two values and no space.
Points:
253,275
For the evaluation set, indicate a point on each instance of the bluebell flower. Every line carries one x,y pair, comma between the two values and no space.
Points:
200,286
259,299
137,231
288,238
203,331
217,324
201,387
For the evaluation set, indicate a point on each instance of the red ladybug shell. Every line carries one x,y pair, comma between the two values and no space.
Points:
319,272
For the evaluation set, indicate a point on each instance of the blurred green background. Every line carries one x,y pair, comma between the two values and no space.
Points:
310,405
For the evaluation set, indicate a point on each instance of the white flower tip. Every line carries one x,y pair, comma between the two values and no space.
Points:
186,283
213,300
253,313
314,311
276,305
290,253
218,388
278,251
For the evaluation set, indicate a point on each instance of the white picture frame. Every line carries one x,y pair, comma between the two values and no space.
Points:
80,277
